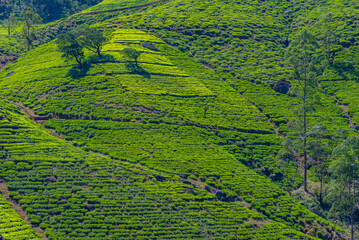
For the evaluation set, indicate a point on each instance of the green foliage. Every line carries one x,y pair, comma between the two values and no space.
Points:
10,24
91,38
110,5
70,47
97,197
174,101
131,53
344,184
286,158
303,59
164,126
12,226
49,10
30,19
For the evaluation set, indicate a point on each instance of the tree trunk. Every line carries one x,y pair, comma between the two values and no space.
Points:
321,191
305,130
79,62
353,207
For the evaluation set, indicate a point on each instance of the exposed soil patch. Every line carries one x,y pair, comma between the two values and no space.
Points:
344,108
6,60
30,114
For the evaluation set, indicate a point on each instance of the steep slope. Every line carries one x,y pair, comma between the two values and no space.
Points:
162,103
340,80
75,195
12,226
244,38
114,6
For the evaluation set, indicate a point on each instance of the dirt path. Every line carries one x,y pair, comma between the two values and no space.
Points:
19,209
275,127
344,108
29,113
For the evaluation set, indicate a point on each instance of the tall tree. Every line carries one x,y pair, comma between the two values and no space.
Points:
30,19
70,47
320,146
10,24
131,53
285,160
92,38
303,59
345,178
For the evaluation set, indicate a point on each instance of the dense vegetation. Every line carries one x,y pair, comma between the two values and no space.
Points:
49,10
190,124
72,194
12,226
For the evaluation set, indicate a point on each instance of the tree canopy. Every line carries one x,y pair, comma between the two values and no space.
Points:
30,18
70,47
92,38
131,53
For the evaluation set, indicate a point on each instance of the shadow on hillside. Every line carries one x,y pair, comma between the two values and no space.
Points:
104,58
76,72
133,68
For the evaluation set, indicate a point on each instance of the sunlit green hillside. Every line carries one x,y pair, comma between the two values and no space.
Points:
188,141
162,104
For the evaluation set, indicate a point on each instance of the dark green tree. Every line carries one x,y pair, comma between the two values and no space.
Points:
10,24
345,180
320,147
132,54
70,47
285,159
30,19
92,38
302,57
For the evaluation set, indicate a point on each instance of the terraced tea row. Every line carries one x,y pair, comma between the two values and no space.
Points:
253,53
214,158
163,91
113,5
75,195
12,226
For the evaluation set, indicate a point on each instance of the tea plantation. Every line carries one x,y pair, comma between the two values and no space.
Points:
72,194
113,5
181,143
11,225
253,53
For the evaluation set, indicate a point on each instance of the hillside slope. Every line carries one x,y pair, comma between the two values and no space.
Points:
75,195
154,115
12,226
190,134
253,53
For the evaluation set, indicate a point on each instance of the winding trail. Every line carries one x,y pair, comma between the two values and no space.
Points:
20,211
344,108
